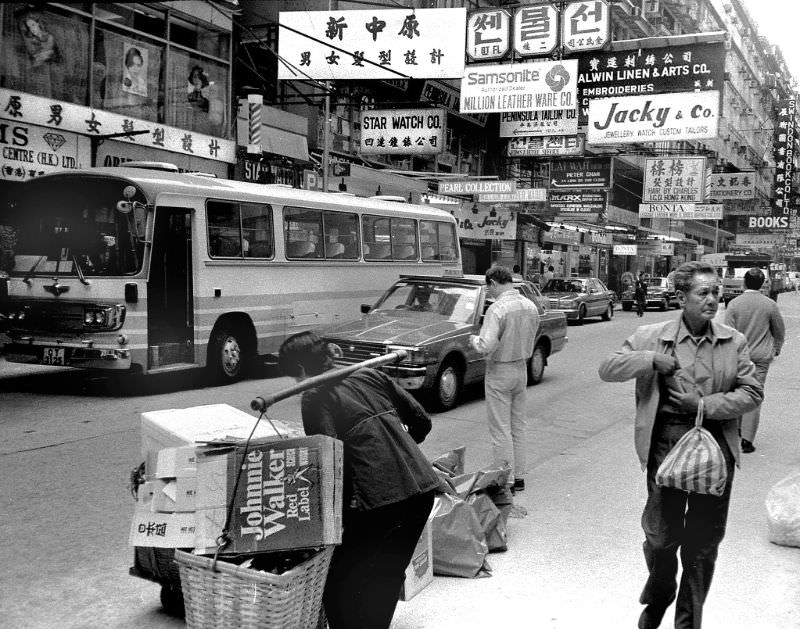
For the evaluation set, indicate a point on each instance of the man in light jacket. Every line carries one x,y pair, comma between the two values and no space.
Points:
757,317
675,363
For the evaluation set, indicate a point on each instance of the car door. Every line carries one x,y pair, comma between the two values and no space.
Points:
595,304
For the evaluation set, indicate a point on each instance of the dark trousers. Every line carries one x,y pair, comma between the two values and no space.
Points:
672,520
368,568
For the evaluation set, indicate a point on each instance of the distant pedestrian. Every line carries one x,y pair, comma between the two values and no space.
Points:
548,275
640,294
757,317
507,339
516,272
675,363
388,482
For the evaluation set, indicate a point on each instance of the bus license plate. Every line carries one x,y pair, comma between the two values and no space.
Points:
53,356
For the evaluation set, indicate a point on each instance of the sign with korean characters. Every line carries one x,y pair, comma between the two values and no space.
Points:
546,145
624,250
674,180
724,186
585,25
677,68
657,118
494,221
488,35
62,116
27,151
572,202
535,30
477,186
783,151
581,173
372,44
514,124
519,87
402,131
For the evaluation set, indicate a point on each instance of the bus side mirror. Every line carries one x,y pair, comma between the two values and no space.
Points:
365,308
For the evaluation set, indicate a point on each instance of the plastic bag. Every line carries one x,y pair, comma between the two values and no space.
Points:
783,511
493,523
459,543
695,463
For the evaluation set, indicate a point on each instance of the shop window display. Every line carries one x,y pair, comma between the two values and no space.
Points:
196,90
44,53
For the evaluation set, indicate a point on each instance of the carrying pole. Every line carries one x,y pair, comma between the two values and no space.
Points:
261,404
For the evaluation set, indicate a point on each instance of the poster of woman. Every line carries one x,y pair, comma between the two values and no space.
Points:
39,42
197,87
134,72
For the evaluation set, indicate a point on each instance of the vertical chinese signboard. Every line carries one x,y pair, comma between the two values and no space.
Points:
784,157
535,30
487,35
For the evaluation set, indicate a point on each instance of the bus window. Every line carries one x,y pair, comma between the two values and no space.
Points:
438,241
341,235
377,238
404,239
302,230
257,230
224,229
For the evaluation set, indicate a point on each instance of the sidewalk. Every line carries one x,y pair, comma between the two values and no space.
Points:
576,560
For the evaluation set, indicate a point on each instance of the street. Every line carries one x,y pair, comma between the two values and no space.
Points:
70,439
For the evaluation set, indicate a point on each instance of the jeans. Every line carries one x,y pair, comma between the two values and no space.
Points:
673,520
751,418
506,386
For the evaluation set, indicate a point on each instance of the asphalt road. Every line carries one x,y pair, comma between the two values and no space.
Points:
70,439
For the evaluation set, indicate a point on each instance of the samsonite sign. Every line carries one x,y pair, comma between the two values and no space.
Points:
402,131
653,118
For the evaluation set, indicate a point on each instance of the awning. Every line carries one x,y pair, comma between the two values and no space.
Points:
284,143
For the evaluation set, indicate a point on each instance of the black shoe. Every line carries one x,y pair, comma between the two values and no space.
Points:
747,446
519,485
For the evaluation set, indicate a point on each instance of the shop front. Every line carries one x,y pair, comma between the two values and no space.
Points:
561,250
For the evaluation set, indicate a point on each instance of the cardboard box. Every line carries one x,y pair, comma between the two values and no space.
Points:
176,427
289,495
168,495
162,530
419,573
176,462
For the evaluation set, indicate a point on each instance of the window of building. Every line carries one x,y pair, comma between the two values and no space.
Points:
196,94
135,15
205,40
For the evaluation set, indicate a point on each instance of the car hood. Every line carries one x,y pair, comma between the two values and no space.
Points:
569,295
381,328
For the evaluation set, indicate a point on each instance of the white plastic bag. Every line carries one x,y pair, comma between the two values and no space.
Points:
783,511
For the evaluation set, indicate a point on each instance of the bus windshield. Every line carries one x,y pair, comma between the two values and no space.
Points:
71,226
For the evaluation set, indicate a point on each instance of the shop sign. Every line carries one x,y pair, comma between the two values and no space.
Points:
581,173
562,236
519,87
624,250
20,107
488,35
535,30
682,211
597,238
578,202
585,25
448,97
377,43
477,186
766,241
783,152
674,180
677,68
547,145
772,223
658,118
521,195
664,248
311,180
27,151
402,131
488,222
723,186
117,152
529,123
708,211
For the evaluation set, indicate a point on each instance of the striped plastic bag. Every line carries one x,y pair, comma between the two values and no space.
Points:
695,463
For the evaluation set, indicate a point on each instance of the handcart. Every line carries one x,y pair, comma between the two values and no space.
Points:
212,586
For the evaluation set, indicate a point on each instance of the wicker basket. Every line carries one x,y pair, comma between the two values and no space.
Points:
241,598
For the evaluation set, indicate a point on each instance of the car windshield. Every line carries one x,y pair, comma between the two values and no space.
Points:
658,282
563,286
431,301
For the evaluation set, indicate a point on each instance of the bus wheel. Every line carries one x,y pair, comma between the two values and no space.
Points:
227,355
536,365
447,386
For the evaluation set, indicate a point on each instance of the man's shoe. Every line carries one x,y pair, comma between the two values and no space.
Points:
747,446
519,485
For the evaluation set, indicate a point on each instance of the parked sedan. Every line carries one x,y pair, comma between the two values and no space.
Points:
432,319
580,297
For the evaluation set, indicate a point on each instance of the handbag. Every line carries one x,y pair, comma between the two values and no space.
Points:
695,463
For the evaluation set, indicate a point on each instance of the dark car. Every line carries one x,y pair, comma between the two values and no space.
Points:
660,294
580,297
432,319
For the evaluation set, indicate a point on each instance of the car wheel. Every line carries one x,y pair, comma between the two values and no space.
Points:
627,306
663,305
581,314
608,313
447,386
536,365
227,355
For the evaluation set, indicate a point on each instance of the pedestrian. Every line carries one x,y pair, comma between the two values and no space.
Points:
388,482
517,272
758,318
640,293
548,275
506,339
675,363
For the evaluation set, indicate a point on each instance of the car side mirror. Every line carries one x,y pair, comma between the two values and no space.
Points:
365,308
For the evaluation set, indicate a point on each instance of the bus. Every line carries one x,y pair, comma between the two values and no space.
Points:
141,269
731,267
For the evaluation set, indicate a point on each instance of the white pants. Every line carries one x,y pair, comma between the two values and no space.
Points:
506,386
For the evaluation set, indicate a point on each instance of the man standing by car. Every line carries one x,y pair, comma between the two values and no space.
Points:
547,275
757,317
507,339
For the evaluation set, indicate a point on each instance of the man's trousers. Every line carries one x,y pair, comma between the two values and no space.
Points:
506,385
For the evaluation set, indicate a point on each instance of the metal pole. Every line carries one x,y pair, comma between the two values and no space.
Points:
261,404
716,236
326,137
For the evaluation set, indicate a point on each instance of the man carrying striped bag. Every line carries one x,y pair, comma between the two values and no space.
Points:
676,363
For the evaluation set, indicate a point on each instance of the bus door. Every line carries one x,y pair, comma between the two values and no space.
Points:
170,310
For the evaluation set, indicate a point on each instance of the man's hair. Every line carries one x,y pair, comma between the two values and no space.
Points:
684,274
306,350
754,278
499,274
517,268
550,268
